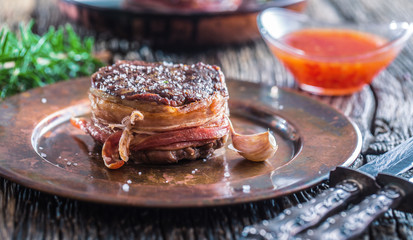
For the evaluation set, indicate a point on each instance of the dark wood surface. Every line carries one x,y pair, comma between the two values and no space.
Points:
383,111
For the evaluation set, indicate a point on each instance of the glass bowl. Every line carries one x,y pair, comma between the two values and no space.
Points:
326,58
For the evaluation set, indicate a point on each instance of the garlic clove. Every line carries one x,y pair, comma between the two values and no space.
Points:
257,147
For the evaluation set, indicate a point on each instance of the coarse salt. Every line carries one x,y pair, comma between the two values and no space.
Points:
125,187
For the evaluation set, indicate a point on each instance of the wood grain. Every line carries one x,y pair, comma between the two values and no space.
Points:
383,111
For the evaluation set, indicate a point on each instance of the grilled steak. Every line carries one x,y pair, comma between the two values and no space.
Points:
164,83
157,112
172,156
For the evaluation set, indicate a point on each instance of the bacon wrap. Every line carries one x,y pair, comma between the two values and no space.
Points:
178,136
110,151
166,140
97,131
149,110
120,138
107,109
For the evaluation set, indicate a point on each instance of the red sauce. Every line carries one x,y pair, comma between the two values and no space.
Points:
332,61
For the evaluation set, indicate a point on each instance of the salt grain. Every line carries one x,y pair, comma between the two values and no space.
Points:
44,100
129,181
246,188
125,187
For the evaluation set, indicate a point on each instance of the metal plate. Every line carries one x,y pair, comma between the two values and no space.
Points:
172,29
243,6
41,150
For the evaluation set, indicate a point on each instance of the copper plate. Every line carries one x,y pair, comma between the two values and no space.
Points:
41,150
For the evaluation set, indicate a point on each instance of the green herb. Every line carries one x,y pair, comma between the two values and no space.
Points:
28,60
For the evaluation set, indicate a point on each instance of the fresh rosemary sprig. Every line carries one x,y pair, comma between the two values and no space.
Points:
28,60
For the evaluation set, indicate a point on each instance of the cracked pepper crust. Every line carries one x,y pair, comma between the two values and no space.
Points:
162,83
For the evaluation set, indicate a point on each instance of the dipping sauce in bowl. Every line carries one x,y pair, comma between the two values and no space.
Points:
317,72
331,59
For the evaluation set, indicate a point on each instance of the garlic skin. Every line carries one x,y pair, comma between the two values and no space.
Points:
124,143
127,135
257,147
136,116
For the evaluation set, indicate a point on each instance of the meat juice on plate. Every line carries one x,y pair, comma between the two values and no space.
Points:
333,61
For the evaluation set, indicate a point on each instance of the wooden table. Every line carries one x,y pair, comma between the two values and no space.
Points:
383,111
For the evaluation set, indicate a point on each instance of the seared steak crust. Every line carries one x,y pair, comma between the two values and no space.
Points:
162,83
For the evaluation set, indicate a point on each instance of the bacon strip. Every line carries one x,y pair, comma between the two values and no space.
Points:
116,147
110,152
97,133
184,135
